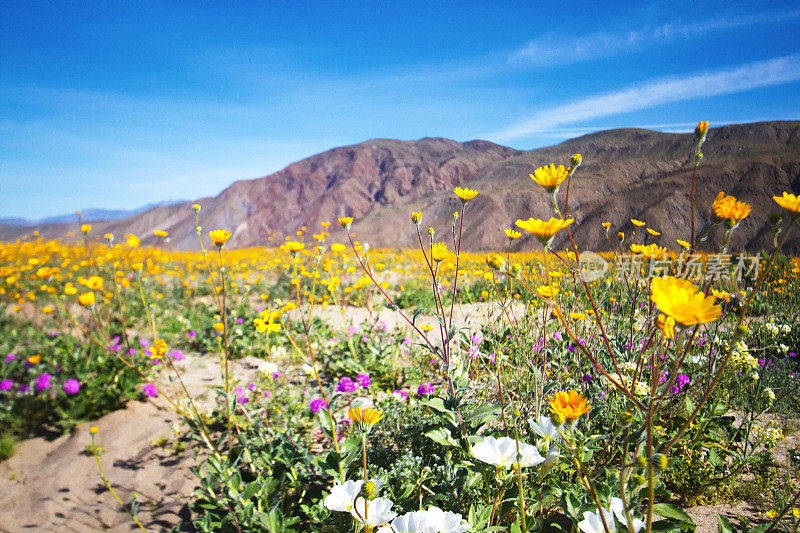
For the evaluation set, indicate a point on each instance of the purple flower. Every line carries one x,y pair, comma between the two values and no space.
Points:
405,341
352,330
144,342
558,336
6,384
177,355
71,386
383,326
115,345
10,357
346,385
586,378
251,387
425,389
150,390
400,394
317,404
267,394
664,376
43,382
364,338
276,375
792,354
363,380
192,334
23,388
240,320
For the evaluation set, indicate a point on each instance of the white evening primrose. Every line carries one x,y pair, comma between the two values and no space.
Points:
502,452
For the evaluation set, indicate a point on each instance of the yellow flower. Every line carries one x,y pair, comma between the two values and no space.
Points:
683,301
621,236
364,419
219,236
69,289
728,209
666,324
637,223
338,247
426,328
550,177
325,224
465,194
95,283
44,272
219,326
160,233
439,251
570,405
684,243
416,217
294,247
511,234
790,202
86,299
267,322
159,349
132,240
94,430
544,230
547,291
109,236
653,232
649,251
577,316
496,261
34,359
47,310
721,295
606,225
346,222
86,228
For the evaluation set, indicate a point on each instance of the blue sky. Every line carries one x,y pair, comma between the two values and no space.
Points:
119,104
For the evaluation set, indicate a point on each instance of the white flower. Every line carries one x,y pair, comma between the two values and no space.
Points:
434,520
377,511
619,510
343,497
592,523
502,452
544,428
266,368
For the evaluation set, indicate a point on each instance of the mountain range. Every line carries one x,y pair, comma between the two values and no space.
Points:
87,215
625,174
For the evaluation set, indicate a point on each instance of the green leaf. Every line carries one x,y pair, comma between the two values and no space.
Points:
724,525
443,437
671,511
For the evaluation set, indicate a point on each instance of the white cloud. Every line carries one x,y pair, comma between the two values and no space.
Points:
560,50
650,94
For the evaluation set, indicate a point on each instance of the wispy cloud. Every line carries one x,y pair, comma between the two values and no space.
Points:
650,94
557,50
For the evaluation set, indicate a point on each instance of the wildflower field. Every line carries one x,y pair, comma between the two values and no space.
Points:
426,390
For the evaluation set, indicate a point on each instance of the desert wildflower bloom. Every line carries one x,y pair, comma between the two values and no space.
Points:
683,301
606,225
364,419
511,234
550,177
721,295
34,359
44,272
496,261
219,236
790,202
439,251
544,230
159,349
346,222
729,210
294,247
651,251
219,326
465,194
338,247
86,299
653,232
666,325
416,217
570,405
94,430
267,321
132,240
86,228
637,223
547,291
160,233
95,283
683,243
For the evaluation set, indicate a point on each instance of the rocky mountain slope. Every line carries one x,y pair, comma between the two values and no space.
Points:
626,173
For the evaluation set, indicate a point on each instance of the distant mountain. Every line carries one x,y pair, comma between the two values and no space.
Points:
88,215
626,173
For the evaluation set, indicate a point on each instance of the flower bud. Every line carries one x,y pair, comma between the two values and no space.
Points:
431,232
620,236
369,490
639,480
640,462
496,262
515,269
575,161
701,131
416,217
557,419
659,461
625,419
196,208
